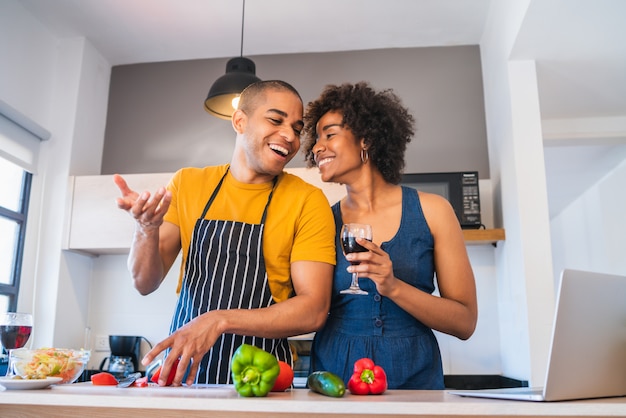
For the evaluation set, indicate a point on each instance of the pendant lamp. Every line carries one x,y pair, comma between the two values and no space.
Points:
224,93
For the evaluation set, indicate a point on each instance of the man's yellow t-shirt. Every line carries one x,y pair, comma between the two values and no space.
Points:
299,224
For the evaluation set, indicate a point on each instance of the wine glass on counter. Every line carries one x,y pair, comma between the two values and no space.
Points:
15,329
349,233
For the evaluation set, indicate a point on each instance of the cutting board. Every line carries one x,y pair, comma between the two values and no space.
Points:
222,391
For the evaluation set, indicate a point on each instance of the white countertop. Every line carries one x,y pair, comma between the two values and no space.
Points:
84,399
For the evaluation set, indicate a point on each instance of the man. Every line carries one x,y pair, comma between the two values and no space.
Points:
258,244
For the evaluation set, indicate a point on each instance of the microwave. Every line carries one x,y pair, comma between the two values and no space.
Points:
459,188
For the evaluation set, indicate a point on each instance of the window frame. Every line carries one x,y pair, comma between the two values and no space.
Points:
20,217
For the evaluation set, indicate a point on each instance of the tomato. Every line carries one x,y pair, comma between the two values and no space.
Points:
155,375
285,377
170,378
103,379
142,382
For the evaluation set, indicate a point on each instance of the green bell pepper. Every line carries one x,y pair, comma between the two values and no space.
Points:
254,370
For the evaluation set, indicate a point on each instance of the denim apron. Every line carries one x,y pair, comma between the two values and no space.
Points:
225,269
372,325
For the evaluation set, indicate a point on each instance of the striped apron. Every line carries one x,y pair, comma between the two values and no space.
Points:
225,269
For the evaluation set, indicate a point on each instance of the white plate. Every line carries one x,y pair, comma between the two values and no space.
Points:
22,384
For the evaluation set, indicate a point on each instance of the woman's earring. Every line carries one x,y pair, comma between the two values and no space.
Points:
365,156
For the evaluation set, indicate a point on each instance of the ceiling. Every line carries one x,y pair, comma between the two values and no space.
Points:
578,46
132,31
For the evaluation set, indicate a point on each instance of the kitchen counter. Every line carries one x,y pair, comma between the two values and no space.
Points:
84,399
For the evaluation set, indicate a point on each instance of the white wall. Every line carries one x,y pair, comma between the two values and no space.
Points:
116,308
61,85
481,353
28,53
524,268
590,234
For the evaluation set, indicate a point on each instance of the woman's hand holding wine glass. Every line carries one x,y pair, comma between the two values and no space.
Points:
349,233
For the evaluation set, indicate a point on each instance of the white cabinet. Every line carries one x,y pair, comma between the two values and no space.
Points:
96,225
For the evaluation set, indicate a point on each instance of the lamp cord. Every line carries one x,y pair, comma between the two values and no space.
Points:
243,13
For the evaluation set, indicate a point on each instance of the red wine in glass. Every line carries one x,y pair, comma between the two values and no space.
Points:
350,245
14,336
15,329
349,233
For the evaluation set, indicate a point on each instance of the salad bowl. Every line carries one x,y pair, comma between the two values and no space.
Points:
41,363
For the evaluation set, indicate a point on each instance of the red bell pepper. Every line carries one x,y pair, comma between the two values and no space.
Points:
170,378
368,379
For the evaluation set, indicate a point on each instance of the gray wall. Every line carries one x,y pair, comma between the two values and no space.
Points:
156,121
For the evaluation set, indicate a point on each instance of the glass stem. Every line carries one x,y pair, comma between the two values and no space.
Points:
355,280
8,373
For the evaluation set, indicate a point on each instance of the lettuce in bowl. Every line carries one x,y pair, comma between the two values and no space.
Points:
40,363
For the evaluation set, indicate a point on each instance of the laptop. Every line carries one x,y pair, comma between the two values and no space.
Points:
587,357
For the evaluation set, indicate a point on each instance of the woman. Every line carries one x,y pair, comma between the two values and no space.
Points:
357,136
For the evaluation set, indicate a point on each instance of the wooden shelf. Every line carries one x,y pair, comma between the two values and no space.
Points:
483,236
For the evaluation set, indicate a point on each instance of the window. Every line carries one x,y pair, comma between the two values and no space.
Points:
14,195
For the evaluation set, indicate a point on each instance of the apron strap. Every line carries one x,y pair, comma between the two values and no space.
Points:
269,199
212,198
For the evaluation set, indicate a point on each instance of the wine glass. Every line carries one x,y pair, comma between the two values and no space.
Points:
349,233
15,329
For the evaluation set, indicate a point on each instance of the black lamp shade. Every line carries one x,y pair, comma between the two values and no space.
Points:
240,73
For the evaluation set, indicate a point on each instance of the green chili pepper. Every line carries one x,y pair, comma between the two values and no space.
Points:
254,370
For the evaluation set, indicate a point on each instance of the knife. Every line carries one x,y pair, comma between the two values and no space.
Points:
128,380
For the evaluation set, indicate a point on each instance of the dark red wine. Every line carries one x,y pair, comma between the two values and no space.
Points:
350,246
14,336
